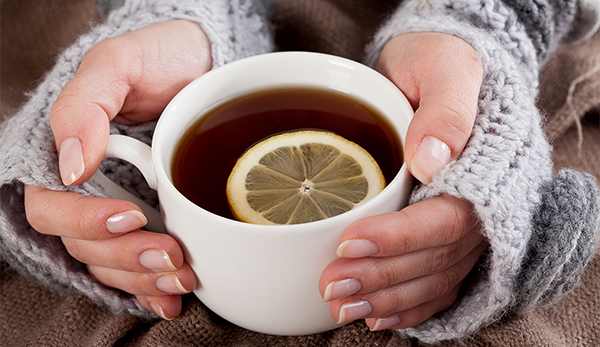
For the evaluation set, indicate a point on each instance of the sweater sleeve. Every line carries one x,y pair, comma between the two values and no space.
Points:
542,231
236,29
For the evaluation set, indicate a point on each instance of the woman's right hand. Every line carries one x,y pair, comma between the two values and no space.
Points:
128,79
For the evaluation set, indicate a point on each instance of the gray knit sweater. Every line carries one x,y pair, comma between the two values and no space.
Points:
542,230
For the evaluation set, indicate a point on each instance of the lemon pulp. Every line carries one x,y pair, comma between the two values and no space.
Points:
301,177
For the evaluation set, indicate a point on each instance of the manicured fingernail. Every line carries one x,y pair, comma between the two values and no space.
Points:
170,284
386,323
159,311
354,310
431,157
126,221
341,289
357,249
70,161
157,260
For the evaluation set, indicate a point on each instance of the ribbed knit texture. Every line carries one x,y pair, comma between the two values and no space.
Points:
562,240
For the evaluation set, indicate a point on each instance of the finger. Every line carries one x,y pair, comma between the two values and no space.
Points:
75,216
345,277
415,315
177,282
166,306
137,251
441,76
406,295
430,223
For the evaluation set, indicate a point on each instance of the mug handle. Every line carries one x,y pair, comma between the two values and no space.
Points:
140,155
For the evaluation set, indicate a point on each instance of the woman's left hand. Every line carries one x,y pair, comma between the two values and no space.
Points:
400,268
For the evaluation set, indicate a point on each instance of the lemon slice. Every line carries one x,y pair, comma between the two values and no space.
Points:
301,177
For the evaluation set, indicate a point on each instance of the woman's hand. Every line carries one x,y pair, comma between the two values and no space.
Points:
398,269
441,76
128,79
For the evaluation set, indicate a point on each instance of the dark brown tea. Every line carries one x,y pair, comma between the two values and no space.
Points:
207,152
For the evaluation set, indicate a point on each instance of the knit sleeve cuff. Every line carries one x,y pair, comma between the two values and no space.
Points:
566,231
236,29
505,163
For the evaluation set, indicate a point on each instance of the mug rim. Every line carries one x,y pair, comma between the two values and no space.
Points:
162,161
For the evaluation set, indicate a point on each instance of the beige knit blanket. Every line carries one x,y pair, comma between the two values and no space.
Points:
33,32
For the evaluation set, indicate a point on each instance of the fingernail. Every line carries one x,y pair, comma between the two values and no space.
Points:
351,311
159,311
126,221
341,289
357,249
170,284
157,260
386,323
431,157
70,161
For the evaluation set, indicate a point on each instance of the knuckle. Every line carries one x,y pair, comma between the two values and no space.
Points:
133,282
121,53
396,300
455,115
446,281
400,239
110,48
123,260
460,220
90,225
140,283
443,257
83,223
384,273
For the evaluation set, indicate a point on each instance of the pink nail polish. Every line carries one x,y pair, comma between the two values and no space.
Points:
157,260
431,157
159,311
386,323
70,161
354,310
171,284
357,249
125,221
341,289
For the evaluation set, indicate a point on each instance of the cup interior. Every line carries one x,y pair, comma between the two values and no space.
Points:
272,71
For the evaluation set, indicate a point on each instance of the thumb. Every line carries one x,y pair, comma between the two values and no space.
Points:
439,130
441,76
81,115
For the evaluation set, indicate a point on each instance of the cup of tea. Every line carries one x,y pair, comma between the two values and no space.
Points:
265,277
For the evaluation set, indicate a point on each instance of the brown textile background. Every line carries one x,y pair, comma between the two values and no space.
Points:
33,32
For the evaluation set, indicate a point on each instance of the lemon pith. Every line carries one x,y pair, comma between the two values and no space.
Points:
301,177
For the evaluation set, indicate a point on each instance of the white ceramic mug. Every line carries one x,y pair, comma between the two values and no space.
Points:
263,278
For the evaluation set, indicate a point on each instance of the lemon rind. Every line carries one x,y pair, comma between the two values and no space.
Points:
238,203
